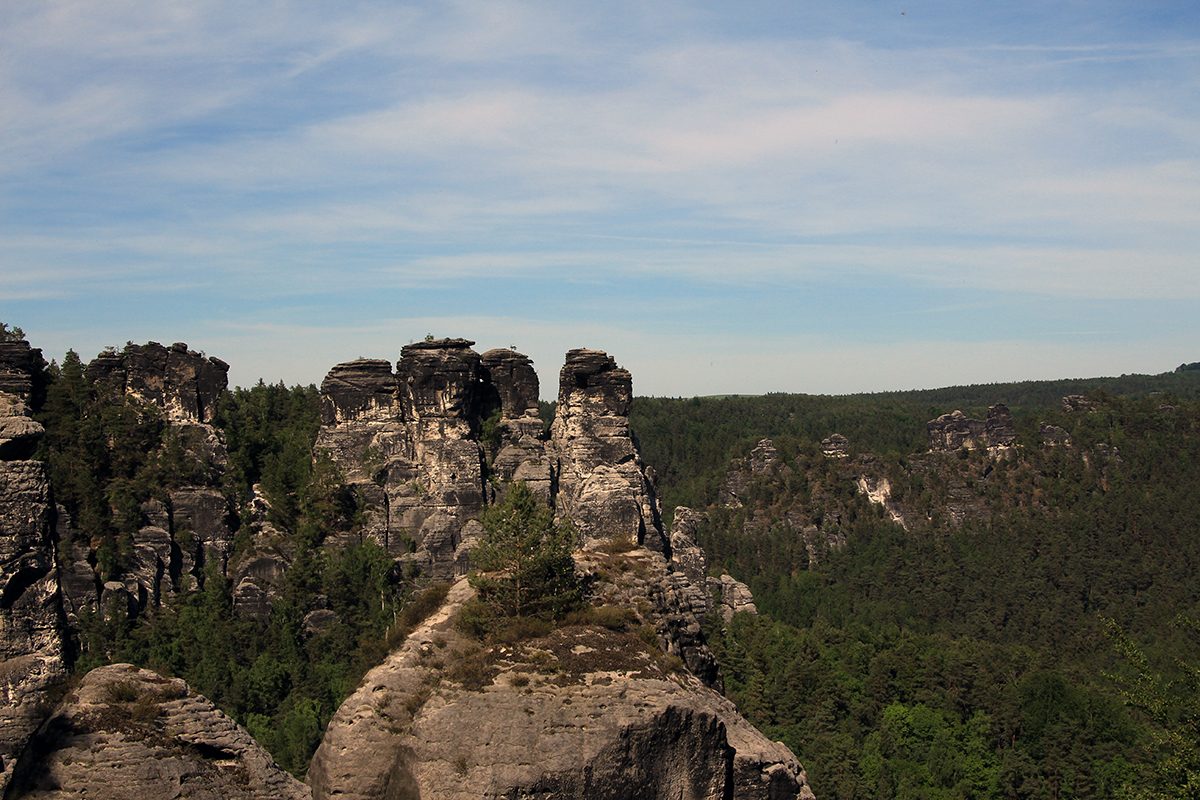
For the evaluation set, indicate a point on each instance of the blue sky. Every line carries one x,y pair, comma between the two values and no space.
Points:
728,197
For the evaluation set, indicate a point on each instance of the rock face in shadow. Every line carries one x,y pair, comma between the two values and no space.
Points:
583,712
603,486
129,734
23,372
32,626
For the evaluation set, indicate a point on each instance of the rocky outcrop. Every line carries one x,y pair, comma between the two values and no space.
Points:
686,555
835,446
584,712
517,442
1079,404
763,460
407,443
258,575
511,384
19,433
183,383
426,447
955,431
192,527
732,596
23,372
32,652
879,492
129,734
437,487
1054,436
603,486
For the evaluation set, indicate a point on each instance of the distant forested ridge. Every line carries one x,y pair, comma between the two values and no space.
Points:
1029,632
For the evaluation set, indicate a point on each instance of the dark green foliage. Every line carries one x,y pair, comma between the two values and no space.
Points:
691,440
523,562
970,660
269,431
1168,698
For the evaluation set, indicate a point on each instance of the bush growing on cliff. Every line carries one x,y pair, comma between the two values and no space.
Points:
524,565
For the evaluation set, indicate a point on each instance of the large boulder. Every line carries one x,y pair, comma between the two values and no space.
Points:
129,734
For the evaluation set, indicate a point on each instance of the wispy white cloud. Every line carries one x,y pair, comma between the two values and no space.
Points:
306,151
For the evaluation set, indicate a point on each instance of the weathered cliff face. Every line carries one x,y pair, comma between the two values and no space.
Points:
584,712
517,444
426,447
407,443
956,430
603,486
32,653
129,734
762,461
183,383
192,529
23,372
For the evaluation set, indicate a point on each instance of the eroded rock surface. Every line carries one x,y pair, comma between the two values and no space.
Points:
129,734
763,460
32,626
193,529
956,430
183,383
732,595
603,486
428,446
584,712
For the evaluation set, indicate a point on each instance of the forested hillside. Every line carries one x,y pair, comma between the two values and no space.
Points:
1015,620
1028,632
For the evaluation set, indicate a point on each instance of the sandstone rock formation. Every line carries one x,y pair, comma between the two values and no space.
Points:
954,431
732,596
183,383
603,486
879,491
426,447
193,529
518,447
129,734
584,712
258,574
762,460
1078,403
835,446
23,372
1054,436
32,653
407,442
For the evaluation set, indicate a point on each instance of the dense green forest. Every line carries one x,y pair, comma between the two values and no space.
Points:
279,679
1043,648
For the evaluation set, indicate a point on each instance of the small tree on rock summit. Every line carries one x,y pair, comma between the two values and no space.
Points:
523,562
